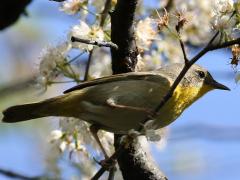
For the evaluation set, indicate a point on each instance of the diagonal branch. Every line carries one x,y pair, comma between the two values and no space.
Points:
88,66
12,174
224,45
208,47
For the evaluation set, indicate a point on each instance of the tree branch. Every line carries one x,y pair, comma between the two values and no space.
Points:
12,174
183,50
88,66
94,42
133,161
113,158
224,45
124,58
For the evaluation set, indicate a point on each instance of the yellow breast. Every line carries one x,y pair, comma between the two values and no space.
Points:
182,98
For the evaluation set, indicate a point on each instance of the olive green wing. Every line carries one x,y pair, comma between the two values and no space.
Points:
147,76
119,103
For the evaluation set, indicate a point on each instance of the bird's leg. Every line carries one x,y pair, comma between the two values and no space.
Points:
114,156
107,163
112,103
94,130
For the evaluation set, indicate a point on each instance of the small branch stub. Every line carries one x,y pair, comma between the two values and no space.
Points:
96,43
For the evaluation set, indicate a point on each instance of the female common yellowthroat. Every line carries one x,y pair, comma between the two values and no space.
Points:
121,102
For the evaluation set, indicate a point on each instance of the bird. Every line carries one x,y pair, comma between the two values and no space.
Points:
120,103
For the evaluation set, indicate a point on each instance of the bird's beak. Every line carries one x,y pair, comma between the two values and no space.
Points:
216,85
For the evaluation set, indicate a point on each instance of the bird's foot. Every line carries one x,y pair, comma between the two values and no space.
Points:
108,163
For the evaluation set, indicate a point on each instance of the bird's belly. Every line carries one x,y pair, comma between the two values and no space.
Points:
122,120
168,113
113,119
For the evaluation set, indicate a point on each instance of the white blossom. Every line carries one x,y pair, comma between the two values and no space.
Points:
100,64
63,146
56,134
146,32
150,131
83,31
163,133
152,135
222,6
72,6
197,30
172,53
50,57
221,15
149,61
69,124
220,22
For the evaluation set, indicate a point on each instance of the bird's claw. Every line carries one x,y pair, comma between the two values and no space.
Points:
107,164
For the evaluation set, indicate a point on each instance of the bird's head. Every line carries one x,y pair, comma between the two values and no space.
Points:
196,82
198,77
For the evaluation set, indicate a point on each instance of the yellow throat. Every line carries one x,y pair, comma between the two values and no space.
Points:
182,98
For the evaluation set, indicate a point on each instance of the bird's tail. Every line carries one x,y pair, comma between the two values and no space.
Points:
58,106
21,113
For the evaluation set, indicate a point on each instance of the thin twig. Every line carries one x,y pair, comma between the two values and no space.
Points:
183,50
94,42
75,58
88,66
12,174
113,158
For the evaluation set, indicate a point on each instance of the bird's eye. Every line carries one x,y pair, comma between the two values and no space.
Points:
201,74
